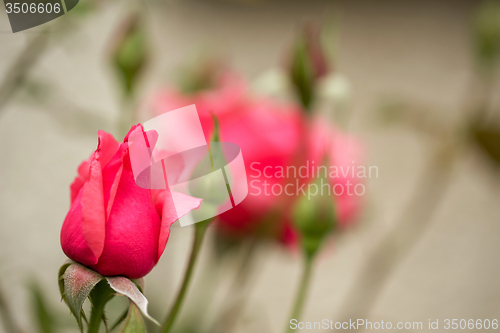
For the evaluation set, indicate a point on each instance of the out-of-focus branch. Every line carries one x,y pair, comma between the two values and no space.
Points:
237,297
433,184
6,315
25,61
31,53
435,179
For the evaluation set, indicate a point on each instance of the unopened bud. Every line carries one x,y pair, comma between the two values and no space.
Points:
314,215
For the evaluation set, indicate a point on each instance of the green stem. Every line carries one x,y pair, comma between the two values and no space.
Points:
99,296
302,292
199,233
95,318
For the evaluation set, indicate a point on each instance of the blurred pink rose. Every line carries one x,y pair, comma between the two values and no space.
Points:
114,226
271,134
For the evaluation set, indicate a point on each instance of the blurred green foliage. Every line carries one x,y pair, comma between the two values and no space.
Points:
486,35
43,315
487,137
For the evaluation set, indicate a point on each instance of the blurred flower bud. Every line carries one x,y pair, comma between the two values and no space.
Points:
487,35
314,215
130,53
307,64
335,88
202,74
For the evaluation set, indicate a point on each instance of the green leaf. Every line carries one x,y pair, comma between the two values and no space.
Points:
126,287
61,277
77,283
120,319
133,322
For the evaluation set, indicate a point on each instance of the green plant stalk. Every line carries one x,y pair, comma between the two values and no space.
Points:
302,292
96,317
199,233
99,296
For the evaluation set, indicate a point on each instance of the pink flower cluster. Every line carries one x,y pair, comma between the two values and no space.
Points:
271,134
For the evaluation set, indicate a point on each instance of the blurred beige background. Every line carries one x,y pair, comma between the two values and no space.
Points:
415,51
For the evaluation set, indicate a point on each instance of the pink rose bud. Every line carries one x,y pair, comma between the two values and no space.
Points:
114,226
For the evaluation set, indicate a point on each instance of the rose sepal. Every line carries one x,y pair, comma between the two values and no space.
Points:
78,282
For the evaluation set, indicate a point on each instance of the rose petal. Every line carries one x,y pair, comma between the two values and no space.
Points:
107,147
93,210
171,213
